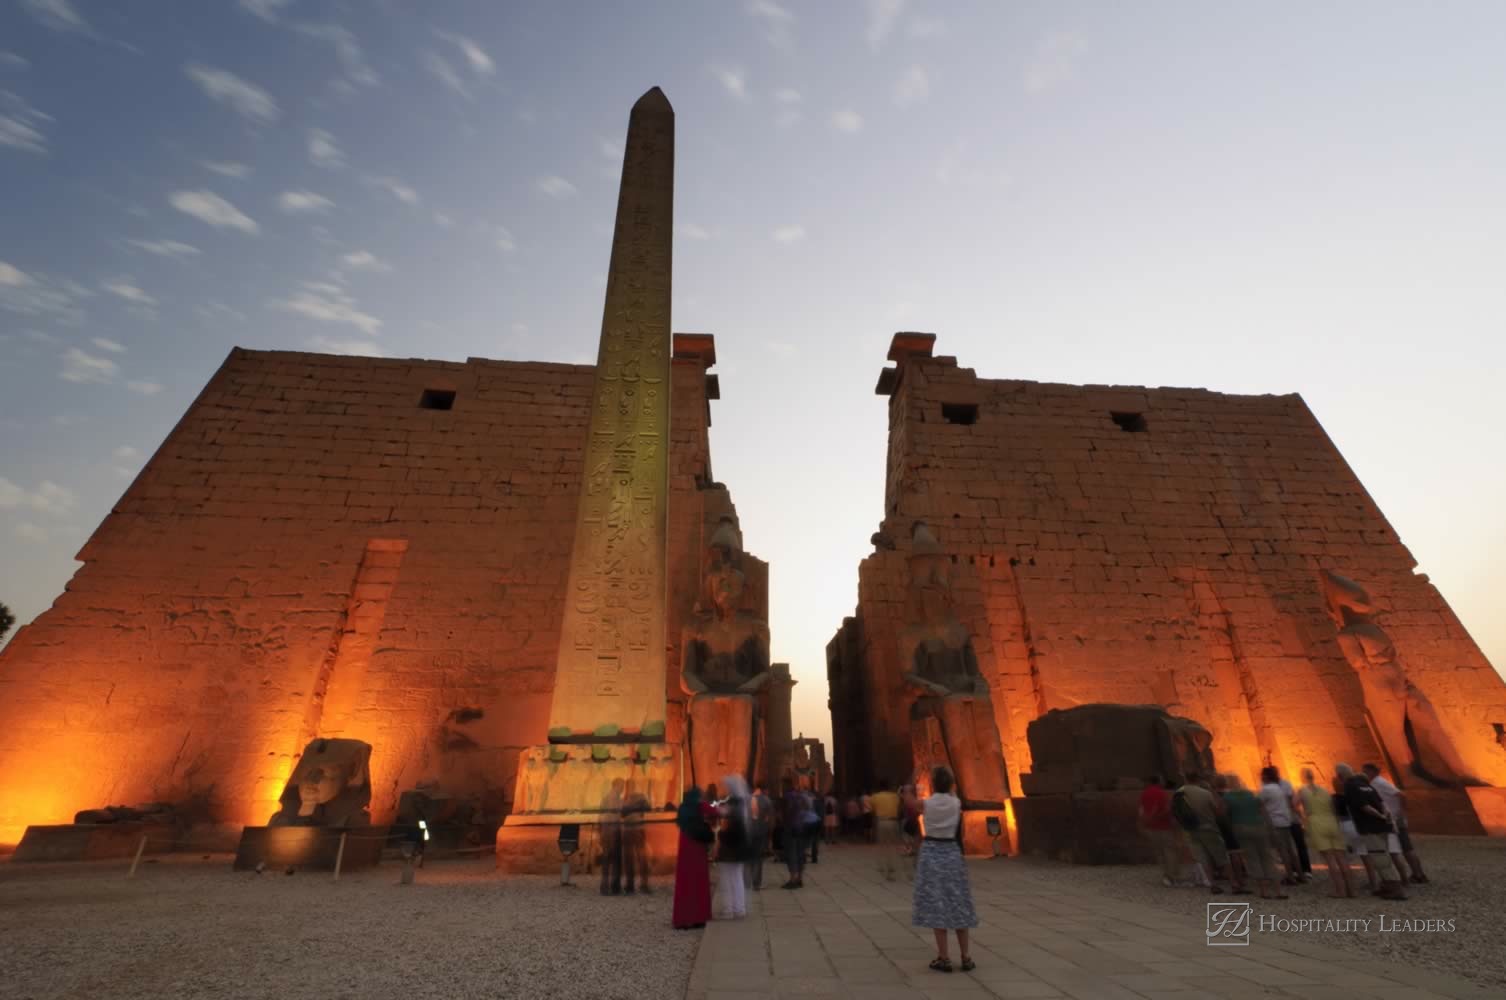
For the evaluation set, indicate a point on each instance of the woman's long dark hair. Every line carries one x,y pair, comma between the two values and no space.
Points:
941,781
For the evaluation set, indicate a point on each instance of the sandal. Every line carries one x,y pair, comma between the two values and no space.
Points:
941,964
968,965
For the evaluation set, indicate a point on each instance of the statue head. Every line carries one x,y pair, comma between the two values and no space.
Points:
1348,602
317,786
929,576
724,576
329,786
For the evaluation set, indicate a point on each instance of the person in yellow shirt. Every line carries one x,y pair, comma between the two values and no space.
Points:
886,818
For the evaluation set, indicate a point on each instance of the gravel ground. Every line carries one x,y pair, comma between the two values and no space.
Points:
193,928
1468,886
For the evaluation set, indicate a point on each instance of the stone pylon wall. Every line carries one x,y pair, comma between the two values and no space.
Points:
1175,562
312,552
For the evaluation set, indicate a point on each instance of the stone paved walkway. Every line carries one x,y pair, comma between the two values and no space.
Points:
848,934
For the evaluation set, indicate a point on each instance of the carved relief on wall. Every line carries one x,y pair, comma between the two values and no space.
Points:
1404,721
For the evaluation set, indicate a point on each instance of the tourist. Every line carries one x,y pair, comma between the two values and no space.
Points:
1253,827
792,808
1276,799
1220,785
942,898
635,808
762,810
909,820
610,831
1351,835
865,803
885,805
692,906
830,819
1156,823
733,840
1323,833
852,817
1373,824
1396,806
1198,811
810,823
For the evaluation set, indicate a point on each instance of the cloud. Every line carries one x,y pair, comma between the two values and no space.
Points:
216,310
788,95
782,348
442,71
125,453
733,81
443,221
927,27
1054,61
847,121
165,248
28,532
958,167
358,348
881,17
237,170
347,51
10,60
788,234
556,187
209,207
224,87
912,88
365,260
691,231
475,56
505,242
396,188
56,14
611,150
19,124
775,21
329,304
146,388
105,344
322,150
33,295
123,288
86,368
265,9
304,203
13,277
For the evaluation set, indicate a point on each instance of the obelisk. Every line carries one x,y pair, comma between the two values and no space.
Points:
611,665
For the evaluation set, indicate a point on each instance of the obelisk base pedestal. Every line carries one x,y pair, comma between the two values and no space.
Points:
529,845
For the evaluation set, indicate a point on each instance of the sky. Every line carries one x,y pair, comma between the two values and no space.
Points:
1246,198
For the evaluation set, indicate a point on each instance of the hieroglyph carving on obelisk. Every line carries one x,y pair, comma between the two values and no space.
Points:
611,666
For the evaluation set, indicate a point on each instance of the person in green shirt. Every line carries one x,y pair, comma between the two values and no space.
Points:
1252,830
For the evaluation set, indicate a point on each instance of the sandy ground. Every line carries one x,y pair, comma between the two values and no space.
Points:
1468,887
188,927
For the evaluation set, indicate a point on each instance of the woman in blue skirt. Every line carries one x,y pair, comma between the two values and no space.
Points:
943,898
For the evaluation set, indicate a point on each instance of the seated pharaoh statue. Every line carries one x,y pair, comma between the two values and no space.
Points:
724,663
1404,721
330,786
951,719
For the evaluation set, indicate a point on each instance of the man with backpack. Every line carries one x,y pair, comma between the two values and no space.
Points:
1197,809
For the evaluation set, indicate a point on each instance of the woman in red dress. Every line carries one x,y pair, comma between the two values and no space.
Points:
692,872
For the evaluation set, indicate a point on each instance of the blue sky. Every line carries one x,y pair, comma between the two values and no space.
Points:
1245,198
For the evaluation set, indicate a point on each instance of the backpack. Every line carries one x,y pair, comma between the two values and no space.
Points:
1181,809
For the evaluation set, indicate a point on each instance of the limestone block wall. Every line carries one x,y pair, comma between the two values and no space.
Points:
1153,546
312,551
